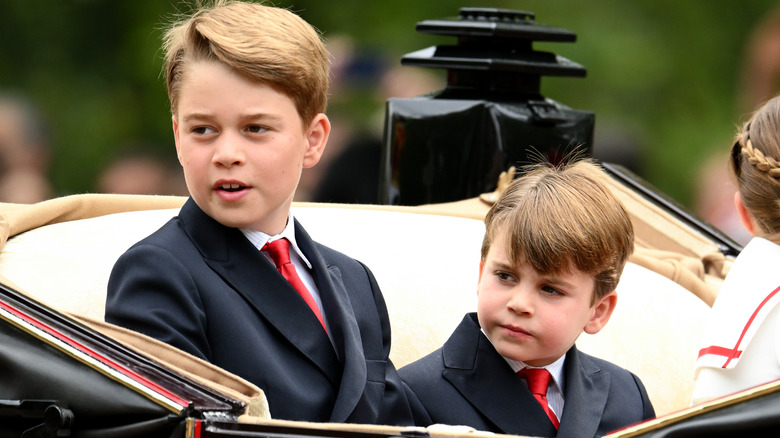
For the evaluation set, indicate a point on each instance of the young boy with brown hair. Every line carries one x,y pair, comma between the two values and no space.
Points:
555,246
234,279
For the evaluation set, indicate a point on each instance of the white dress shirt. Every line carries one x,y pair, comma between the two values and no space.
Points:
556,385
298,259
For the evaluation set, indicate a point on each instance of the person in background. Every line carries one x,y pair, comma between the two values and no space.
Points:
741,344
136,171
24,151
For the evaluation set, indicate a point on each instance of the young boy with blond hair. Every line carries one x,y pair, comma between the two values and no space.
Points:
234,279
555,245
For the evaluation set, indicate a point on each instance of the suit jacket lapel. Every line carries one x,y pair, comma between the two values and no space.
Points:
495,390
253,276
342,324
587,388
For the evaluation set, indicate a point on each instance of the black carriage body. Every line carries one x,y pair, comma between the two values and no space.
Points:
60,378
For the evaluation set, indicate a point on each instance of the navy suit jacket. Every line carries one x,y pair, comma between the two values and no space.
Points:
204,288
466,382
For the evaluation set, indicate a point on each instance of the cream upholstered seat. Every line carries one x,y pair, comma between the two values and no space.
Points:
425,259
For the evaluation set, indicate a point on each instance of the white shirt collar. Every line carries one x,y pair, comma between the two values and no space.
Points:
259,238
555,369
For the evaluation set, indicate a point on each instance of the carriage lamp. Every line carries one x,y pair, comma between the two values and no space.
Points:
454,143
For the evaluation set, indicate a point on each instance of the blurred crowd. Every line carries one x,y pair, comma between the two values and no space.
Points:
25,151
759,81
348,172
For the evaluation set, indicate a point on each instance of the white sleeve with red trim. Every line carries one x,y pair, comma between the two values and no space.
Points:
749,294
750,291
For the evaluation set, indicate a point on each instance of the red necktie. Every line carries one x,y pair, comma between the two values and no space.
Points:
279,250
537,379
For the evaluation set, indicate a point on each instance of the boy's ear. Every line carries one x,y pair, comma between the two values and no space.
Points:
602,311
176,136
744,215
316,139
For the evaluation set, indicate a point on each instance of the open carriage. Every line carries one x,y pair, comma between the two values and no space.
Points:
64,371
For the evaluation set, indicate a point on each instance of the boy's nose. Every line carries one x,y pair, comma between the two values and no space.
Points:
228,151
521,301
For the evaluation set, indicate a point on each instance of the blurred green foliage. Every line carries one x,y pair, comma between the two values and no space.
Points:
663,73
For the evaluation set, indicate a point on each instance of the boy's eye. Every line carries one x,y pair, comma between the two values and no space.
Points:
256,129
503,276
202,130
551,290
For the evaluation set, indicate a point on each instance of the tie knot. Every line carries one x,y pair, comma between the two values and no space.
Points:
537,379
279,250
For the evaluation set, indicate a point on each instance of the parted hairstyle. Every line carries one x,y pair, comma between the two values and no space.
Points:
266,45
754,164
562,217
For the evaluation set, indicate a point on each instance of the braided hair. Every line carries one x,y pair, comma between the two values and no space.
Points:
754,163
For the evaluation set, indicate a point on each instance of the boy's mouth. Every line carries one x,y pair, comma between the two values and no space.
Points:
231,187
515,330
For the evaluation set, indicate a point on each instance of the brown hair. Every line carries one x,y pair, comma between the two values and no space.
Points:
756,169
563,217
263,44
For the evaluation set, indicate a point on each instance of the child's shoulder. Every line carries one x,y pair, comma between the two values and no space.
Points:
333,255
168,235
459,350
590,363
424,371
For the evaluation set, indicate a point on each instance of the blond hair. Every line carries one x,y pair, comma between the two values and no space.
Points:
754,164
561,217
265,45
